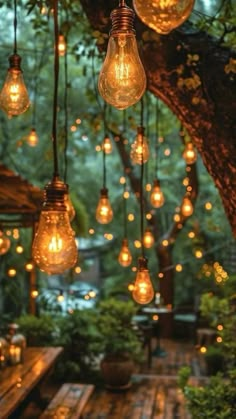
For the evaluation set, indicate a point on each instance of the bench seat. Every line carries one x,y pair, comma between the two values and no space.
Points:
68,402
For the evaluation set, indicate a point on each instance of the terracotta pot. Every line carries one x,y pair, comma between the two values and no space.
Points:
116,372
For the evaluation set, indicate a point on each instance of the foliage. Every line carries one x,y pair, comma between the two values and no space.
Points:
119,336
80,338
39,331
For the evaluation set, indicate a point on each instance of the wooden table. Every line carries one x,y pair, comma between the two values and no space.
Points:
16,382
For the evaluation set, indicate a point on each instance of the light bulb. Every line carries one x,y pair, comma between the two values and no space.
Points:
122,79
189,153
14,99
143,292
107,145
157,198
139,149
61,45
5,243
104,213
125,257
54,247
29,266
163,15
148,239
32,138
186,207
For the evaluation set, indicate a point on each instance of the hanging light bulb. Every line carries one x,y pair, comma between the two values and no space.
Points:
61,45
69,206
189,153
122,79
157,198
14,99
139,149
148,239
54,247
107,145
5,243
186,207
32,138
29,266
104,213
163,15
125,257
143,292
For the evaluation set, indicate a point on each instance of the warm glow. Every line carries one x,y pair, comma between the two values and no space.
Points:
122,79
14,99
29,266
77,270
60,297
186,207
34,293
203,349
122,180
91,231
126,195
125,257
92,294
131,287
139,149
19,249
165,243
219,339
107,145
191,234
189,153
220,327
104,213
32,138
54,246
5,243
163,15
178,267
130,217
176,218
198,254
143,292
11,272
69,206
148,187
148,216
148,239
155,317
157,198
208,206
61,45
160,275
137,244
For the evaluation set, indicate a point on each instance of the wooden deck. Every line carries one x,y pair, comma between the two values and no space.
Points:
154,393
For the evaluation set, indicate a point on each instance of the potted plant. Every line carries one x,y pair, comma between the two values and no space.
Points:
121,344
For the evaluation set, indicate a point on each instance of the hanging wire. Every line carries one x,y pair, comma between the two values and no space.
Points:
15,28
141,185
125,211
66,107
55,94
103,148
156,135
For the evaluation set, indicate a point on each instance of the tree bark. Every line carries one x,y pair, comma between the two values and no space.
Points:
187,70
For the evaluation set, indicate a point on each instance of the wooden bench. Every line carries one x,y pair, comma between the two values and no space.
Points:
69,401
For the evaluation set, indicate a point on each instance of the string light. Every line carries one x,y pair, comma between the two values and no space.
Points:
189,153
139,153
14,99
122,79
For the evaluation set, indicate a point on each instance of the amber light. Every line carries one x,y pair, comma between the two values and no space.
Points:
157,198
189,153
104,213
143,292
139,149
186,207
148,239
125,257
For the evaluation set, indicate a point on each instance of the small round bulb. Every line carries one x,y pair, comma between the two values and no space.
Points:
125,257
189,153
186,207
157,198
139,149
148,239
61,45
32,138
143,292
107,145
5,243
104,213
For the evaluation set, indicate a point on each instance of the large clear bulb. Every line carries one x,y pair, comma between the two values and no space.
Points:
186,207
14,99
163,15
143,292
54,247
122,79
139,149
104,213
125,257
157,198
189,153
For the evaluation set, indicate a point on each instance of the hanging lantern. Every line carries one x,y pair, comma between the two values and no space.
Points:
186,207
163,15
122,79
125,257
32,138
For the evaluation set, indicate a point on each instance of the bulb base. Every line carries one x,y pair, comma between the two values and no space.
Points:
104,193
54,195
142,263
14,62
122,20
